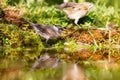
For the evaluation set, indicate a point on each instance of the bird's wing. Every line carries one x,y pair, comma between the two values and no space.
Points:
40,28
71,7
66,5
51,31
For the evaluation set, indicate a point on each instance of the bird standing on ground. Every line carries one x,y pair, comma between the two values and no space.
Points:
76,11
46,31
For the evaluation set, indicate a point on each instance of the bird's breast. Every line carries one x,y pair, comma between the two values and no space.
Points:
77,14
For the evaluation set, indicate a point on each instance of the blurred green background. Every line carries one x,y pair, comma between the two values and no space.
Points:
115,3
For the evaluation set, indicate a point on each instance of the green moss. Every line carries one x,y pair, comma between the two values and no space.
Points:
18,42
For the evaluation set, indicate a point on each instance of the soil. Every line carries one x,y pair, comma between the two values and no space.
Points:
107,39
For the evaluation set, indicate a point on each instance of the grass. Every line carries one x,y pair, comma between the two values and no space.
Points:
16,43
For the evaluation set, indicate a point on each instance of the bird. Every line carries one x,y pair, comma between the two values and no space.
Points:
46,31
46,61
75,11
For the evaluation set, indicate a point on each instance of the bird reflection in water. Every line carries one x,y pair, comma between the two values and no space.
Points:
46,61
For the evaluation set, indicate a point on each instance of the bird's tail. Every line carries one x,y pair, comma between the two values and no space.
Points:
27,21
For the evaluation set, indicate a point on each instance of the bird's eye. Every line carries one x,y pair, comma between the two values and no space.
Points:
61,29
89,5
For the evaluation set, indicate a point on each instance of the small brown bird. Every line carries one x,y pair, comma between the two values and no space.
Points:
46,61
76,11
46,31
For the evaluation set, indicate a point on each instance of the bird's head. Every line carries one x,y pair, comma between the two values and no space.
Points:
89,5
58,29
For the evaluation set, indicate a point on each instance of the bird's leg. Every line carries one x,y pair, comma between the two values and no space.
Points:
76,22
78,26
46,41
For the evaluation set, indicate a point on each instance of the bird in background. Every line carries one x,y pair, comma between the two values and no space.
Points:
75,11
46,31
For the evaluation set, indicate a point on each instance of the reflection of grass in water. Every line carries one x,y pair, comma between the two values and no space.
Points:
48,74
99,70
104,73
19,70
